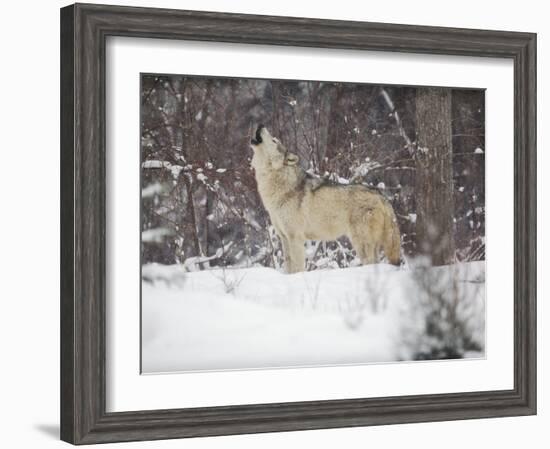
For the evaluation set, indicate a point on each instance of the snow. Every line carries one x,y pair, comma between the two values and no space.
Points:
156,164
169,274
342,180
258,317
174,169
155,235
362,169
388,100
151,190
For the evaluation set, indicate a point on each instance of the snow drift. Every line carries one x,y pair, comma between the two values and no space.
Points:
260,318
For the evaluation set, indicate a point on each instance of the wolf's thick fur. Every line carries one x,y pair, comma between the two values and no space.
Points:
303,208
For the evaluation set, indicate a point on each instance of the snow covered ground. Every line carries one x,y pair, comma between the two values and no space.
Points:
260,318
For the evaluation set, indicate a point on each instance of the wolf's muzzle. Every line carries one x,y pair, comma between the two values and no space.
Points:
258,138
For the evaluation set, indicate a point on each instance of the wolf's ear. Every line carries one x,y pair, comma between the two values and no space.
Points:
291,159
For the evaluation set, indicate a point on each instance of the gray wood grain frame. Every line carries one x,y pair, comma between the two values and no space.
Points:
84,29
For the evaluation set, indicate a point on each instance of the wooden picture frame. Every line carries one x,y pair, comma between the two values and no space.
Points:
84,29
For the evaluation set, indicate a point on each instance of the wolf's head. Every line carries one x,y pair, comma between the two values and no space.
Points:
269,152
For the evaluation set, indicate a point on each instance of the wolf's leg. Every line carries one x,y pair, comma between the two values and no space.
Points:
371,253
297,255
358,247
286,252
284,243
367,251
367,226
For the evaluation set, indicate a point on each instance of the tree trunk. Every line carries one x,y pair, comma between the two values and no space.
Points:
333,126
191,212
434,175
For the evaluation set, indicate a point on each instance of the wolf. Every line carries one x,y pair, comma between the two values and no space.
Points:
302,207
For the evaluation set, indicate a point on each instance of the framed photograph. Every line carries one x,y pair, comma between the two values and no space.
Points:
275,223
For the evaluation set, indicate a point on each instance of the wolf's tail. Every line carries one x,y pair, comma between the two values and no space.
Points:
392,237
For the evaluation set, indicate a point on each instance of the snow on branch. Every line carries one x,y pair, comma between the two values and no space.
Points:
156,164
193,263
155,235
397,119
151,190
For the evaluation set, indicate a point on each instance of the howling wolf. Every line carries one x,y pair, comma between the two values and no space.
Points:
302,207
